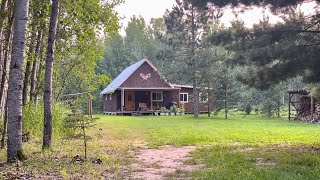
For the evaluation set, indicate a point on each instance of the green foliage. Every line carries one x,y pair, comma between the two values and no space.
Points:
77,121
174,109
33,119
224,3
248,109
274,53
79,45
163,109
122,51
315,91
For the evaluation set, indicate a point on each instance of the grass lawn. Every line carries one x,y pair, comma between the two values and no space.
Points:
250,147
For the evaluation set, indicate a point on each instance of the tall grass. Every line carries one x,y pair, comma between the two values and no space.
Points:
33,117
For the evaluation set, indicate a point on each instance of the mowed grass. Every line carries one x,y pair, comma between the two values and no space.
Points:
241,147
185,130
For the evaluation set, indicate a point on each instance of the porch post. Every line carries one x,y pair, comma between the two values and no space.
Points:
122,99
312,109
151,100
289,101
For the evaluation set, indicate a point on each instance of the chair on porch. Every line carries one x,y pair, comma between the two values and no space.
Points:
143,107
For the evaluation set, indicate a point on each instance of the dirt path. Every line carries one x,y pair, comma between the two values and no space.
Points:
157,163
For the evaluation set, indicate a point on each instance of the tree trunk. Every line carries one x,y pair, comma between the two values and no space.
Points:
14,101
47,98
28,68
34,69
39,83
278,108
225,102
209,99
2,10
6,61
5,127
194,70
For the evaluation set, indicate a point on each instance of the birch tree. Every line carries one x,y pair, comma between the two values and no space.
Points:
14,102
47,98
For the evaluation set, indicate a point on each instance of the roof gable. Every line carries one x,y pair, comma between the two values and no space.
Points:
146,76
122,78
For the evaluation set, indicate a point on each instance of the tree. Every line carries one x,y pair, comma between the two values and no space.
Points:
34,68
79,45
275,52
185,24
47,98
223,3
14,102
6,44
120,52
3,7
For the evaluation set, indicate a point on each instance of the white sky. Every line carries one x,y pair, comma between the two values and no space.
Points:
146,8
156,8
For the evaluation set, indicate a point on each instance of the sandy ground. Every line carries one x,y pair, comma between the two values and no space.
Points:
155,164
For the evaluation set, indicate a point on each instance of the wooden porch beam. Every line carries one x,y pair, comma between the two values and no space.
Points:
289,106
312,108
122,99
151,100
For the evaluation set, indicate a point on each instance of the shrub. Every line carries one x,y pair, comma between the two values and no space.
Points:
248,109
33,119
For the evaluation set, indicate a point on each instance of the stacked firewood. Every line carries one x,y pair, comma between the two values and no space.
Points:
304,110
316,115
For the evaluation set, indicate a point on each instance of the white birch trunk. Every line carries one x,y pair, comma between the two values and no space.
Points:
14,102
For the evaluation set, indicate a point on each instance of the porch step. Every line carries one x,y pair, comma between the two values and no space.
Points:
110,113
136,114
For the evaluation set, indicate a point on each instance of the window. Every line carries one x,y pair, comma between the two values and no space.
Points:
184,97
157,96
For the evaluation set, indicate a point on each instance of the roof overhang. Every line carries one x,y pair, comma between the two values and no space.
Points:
182,86
148,88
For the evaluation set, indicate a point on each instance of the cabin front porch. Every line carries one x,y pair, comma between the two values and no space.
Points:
133,113
147,100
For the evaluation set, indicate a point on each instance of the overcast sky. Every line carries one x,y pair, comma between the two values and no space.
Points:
156,8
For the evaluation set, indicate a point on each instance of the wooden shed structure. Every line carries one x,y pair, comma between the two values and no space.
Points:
142,88
303,104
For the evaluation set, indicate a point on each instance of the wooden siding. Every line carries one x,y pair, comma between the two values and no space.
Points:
135,80
188,106
203,107
169,97
111,105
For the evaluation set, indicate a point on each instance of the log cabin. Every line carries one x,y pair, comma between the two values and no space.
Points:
142,88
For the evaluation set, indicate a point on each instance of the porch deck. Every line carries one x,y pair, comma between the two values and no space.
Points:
132,113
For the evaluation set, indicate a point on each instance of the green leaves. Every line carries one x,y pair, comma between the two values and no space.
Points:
82,24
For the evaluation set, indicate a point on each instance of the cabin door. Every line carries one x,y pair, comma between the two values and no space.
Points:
129,100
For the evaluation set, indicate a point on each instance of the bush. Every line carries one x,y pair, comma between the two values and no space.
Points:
248,109
33,119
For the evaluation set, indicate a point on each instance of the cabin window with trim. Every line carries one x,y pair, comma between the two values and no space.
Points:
157,96
184,97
